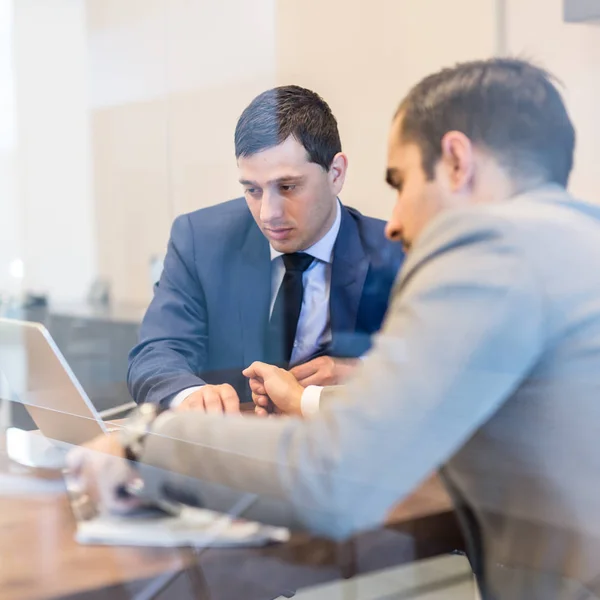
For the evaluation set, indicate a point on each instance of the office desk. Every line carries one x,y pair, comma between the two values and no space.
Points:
39,558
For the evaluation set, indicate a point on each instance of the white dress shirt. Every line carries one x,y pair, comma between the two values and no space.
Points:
314,327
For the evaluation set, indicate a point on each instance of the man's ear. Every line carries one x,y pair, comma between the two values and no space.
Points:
337,172
458,160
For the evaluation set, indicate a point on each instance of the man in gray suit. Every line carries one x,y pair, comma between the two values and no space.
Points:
488,363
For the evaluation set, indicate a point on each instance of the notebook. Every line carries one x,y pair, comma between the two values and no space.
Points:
168,524
194,527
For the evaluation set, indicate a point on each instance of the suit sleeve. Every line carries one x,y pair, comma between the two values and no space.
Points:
463,330
174,333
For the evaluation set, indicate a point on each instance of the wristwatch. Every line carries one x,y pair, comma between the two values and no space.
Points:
137,426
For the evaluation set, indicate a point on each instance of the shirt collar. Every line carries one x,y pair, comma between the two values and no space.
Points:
323,249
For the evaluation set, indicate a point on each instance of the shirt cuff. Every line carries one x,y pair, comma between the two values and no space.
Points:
311,400
182,395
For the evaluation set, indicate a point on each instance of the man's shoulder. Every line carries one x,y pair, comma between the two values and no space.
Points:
540,218
371,232
506,220
232,214
529,225
215,231
366,224
471,226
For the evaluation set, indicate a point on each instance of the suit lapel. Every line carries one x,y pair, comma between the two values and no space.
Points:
348,274
253,276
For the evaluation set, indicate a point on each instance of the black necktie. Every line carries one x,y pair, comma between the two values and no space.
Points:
286,310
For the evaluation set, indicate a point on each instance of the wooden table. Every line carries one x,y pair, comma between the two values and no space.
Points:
39,558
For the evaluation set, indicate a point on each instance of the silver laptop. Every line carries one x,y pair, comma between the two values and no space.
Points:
33,372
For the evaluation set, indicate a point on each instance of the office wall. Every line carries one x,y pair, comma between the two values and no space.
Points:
126,45
536,30
362,57
10,220
169,79
53,147
149,91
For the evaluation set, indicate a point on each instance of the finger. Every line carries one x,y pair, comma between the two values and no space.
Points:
89,493
229,399
261,400
110,501
257,387
112,477
260,412
316,379
89,496
258,370
301,372
212,400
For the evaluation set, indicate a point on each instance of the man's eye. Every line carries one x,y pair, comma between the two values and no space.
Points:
288,188
252,191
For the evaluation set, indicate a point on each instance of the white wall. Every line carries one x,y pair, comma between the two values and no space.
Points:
163,82
535,30
362,57
169,81
54,147
10,218
170,78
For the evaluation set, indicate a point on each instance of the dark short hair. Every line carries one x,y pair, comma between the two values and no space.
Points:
290,110
507,106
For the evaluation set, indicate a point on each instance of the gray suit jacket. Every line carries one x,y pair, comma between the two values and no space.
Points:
488,363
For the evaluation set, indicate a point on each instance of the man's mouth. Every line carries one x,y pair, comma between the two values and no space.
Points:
280,233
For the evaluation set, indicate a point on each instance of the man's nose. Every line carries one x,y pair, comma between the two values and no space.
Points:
271,207
393,231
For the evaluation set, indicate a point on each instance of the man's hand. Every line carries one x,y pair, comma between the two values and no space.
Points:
102,472
274,386
324,371
212,399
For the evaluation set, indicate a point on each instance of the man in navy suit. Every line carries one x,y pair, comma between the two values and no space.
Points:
286,275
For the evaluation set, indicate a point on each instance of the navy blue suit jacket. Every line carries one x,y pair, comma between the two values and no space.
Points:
208,319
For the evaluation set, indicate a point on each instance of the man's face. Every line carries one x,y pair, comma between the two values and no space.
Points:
292,200
418,199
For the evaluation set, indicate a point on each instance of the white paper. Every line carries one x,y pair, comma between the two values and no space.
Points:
193,527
